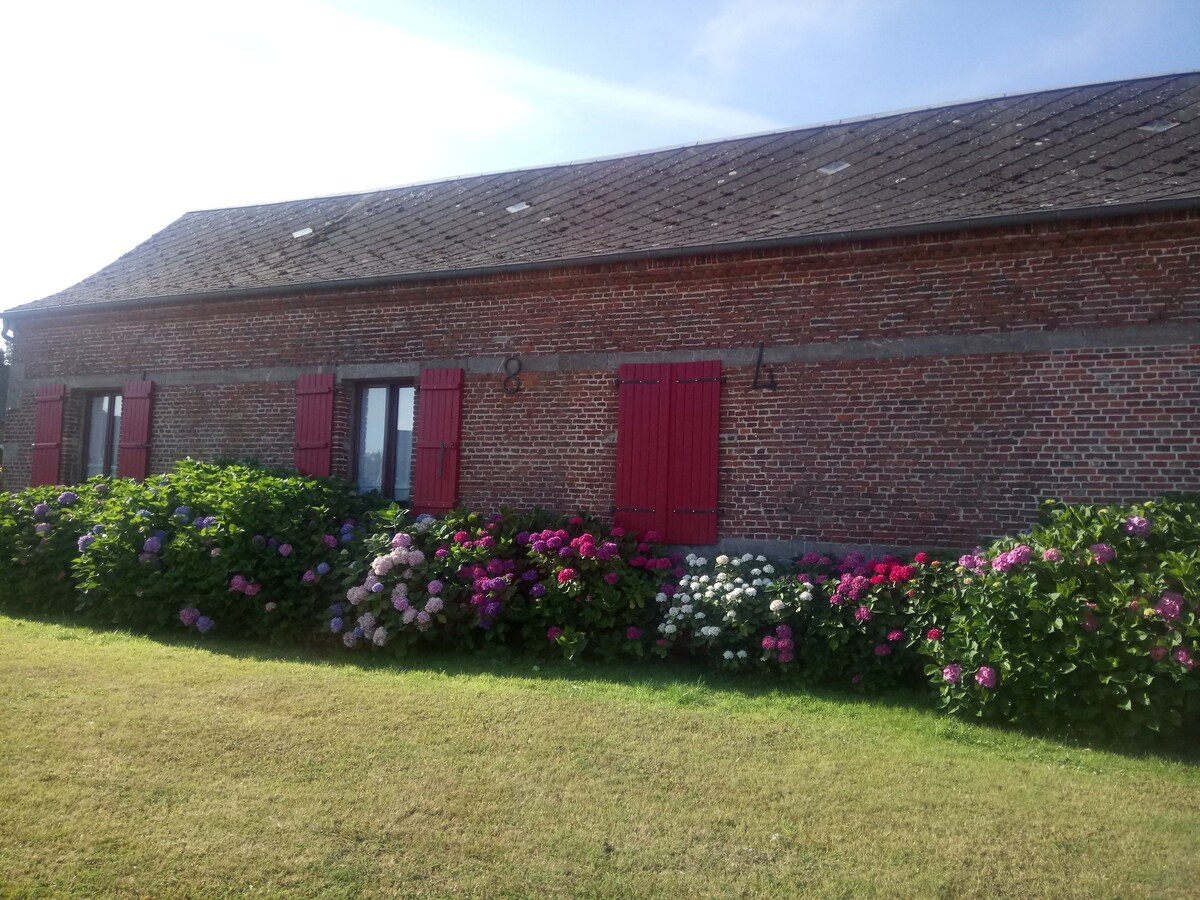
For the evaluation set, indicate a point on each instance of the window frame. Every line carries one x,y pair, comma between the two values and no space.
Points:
112,433
388,471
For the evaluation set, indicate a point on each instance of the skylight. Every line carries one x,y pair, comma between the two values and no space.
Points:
1154,126
517,207
835,166
303,232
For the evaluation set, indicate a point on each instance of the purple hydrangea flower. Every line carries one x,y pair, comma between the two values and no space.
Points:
309,576
1169,606
66,498
204,624
1138,526
41,510
435,587
336,624
377,587
42,527
189,615
537,590
85,541
152,545
323,568
285,549
1102,553
183,513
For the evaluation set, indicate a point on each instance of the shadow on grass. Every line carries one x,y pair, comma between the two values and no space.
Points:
678,682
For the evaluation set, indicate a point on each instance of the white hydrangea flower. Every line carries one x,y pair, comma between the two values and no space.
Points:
741,654
722,559
778,605
669,628
660,597
760,559
673,611
722,576
746,557
379,637
770,570
728,654
698,615
701,561
731,616
756,572
751,592
690,559
686,608
710,631
806,597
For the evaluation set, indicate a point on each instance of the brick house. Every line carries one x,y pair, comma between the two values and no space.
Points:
898,331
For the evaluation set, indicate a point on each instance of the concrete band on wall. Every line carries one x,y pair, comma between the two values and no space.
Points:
944,346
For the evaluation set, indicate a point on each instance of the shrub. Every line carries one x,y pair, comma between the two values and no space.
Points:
1088,622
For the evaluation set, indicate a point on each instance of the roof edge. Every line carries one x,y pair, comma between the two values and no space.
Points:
1087,213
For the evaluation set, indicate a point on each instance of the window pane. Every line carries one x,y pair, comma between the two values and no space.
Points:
115,444
97,431
372,420
404,436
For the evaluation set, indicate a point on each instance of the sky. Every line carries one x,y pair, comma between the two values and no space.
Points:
117,117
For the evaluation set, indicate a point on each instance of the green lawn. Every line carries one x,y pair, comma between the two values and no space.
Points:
129,766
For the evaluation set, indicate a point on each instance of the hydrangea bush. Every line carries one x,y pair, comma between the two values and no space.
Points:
1089,621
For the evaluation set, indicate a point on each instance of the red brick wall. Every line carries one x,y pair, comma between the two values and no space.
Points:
920,440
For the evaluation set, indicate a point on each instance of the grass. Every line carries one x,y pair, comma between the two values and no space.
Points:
134,766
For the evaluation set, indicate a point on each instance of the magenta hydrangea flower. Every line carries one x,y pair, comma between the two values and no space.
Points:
309,576
612,577
1169,606
566,575
952,673
1158,652
934,634
238,583
253,588
768,642
1184,658
553,633
632,633
883,649
895,635
1102,553
986,677
863,614
1138,526
189,615
285,549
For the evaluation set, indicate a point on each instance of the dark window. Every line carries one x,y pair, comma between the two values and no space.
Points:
384,444
102,435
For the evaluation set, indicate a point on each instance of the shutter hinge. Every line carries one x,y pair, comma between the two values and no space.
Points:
698,512
630,509
621,381
720,378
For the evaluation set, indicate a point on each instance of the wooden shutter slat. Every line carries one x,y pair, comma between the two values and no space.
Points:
133,456
439,424
47,435
314,424
642,439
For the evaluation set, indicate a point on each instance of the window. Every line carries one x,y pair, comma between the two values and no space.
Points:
384,443
102,434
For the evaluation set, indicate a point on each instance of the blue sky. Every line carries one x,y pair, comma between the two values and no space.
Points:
120,116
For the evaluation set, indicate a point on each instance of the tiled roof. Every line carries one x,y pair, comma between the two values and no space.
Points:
1053,152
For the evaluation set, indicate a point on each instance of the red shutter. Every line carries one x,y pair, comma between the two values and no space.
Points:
439,425
133,458
643,442
314,424
695,424
47,434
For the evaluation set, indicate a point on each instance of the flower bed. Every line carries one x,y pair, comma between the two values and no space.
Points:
1088,622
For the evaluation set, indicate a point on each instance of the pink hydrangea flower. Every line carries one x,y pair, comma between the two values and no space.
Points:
1138,526
1102,553
1184,658
934,634
768,642
566,575
1158,652
238,583
863,614
986,677
1169,606
285,549
952,673
896,635
1052,555
253,588
189,616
